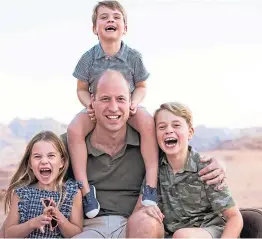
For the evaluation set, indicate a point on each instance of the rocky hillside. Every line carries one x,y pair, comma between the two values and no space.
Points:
26,129
14,137
243,143
206,139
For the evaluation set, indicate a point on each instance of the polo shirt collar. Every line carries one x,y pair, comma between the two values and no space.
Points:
132,138
100,52
191,163
121,54
192,160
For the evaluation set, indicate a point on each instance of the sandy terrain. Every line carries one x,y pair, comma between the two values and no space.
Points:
244,176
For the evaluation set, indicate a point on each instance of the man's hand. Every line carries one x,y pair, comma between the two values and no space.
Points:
91,112
133,108
214,173
154,211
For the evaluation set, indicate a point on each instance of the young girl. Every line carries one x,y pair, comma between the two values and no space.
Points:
40,203
190,207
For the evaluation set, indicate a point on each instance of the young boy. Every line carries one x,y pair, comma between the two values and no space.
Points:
110,25
191,208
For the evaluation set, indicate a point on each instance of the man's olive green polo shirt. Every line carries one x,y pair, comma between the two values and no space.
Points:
186,201
117,179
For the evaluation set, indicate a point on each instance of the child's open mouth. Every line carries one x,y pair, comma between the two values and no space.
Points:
45,172
170,142
110,29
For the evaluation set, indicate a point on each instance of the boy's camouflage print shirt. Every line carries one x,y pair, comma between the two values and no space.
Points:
186,201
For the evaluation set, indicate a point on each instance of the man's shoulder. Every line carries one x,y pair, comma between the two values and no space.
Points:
64,139
132,136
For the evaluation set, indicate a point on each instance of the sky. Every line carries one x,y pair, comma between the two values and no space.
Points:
204,53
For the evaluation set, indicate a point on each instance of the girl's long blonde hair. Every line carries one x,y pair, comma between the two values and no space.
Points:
24,176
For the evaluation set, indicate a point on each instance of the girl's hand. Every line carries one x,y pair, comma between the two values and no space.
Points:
49,211
54,213
52,209
40,222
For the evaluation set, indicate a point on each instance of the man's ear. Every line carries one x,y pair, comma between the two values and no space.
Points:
191,133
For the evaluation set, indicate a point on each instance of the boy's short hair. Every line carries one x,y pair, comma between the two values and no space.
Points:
111,5
177,109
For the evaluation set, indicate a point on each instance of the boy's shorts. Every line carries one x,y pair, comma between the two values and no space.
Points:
215,231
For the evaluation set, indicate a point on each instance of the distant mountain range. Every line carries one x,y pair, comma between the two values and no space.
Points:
14,137
206,139
26,129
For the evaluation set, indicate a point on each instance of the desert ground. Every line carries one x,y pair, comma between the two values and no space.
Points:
244,176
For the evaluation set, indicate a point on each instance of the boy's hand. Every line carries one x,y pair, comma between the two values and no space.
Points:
133,108
91,112
214,173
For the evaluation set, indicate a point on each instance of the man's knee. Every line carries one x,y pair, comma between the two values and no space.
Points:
142,225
